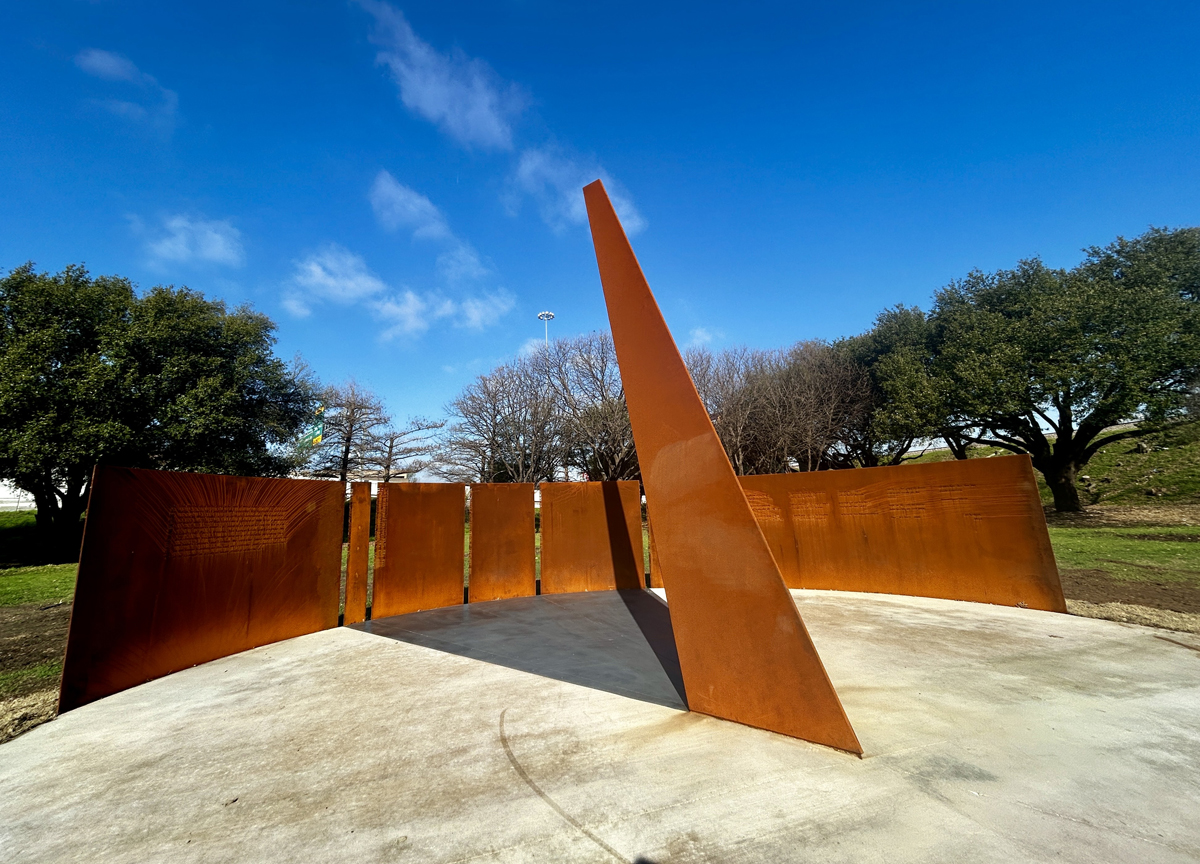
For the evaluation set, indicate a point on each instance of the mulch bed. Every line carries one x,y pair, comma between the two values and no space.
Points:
31,635
1096,586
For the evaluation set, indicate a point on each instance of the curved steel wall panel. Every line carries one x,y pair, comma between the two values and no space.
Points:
959,530
359,554
179,569
421,527
591,536
502,541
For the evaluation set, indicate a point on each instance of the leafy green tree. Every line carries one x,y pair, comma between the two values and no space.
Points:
1043,361
92,373
906,399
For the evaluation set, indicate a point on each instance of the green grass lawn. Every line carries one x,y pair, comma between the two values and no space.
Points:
1136,554
41,677
47,584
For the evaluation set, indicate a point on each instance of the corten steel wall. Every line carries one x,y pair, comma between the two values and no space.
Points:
422,526
502,541
591,536
656,580
179,569
358,557
959,530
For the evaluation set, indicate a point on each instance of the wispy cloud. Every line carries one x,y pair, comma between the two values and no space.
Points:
531,346
333,275
398,206
555,181
700,336
465,97
155,105
462,95
338,276
187,239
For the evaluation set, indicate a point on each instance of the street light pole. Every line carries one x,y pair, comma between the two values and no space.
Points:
546,317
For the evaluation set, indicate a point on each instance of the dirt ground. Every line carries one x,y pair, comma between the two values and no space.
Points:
30,635
1147,515
1096,586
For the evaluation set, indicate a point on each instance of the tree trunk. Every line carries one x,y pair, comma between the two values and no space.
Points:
58,527
1061,480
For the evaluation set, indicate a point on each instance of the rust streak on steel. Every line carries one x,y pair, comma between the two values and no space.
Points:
960,530
591,536
502,541
423,567
179,569
358,558
744,651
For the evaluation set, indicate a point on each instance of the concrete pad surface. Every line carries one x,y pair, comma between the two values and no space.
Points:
991,734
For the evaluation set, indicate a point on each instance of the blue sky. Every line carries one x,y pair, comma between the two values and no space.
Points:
397,186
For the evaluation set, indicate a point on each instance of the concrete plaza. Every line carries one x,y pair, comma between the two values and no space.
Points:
991,734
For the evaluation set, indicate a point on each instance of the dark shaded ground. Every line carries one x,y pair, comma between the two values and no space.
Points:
1096,586
31,636
618,641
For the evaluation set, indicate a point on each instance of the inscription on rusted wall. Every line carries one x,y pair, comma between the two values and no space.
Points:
961,530
204,530
179,569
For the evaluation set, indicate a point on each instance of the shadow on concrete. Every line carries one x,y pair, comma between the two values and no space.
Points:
617,641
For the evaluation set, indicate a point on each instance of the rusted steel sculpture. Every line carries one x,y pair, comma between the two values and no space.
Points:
745,653
960,530
502,541
591,536
179,569
422,567
359,554
655,564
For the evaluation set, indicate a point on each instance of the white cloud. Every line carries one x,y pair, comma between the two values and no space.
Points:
408,313
159,106
187,240
461,94
531,346
700,336
398,206
555,181
337,275
110,66
412,314
477,313
460,262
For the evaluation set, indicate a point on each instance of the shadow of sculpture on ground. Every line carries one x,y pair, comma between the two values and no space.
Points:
617,641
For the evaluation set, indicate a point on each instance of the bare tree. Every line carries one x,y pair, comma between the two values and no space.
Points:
586,382
353,414
395,451
508,429
782,411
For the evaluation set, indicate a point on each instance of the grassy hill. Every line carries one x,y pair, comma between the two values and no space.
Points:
1167,472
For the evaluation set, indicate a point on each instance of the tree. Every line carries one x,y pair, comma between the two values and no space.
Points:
91,373
353,417
584,377
782,411
394,451
1043,361
906,398
508,429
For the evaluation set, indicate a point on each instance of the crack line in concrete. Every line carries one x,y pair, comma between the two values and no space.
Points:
1174,642
529,782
